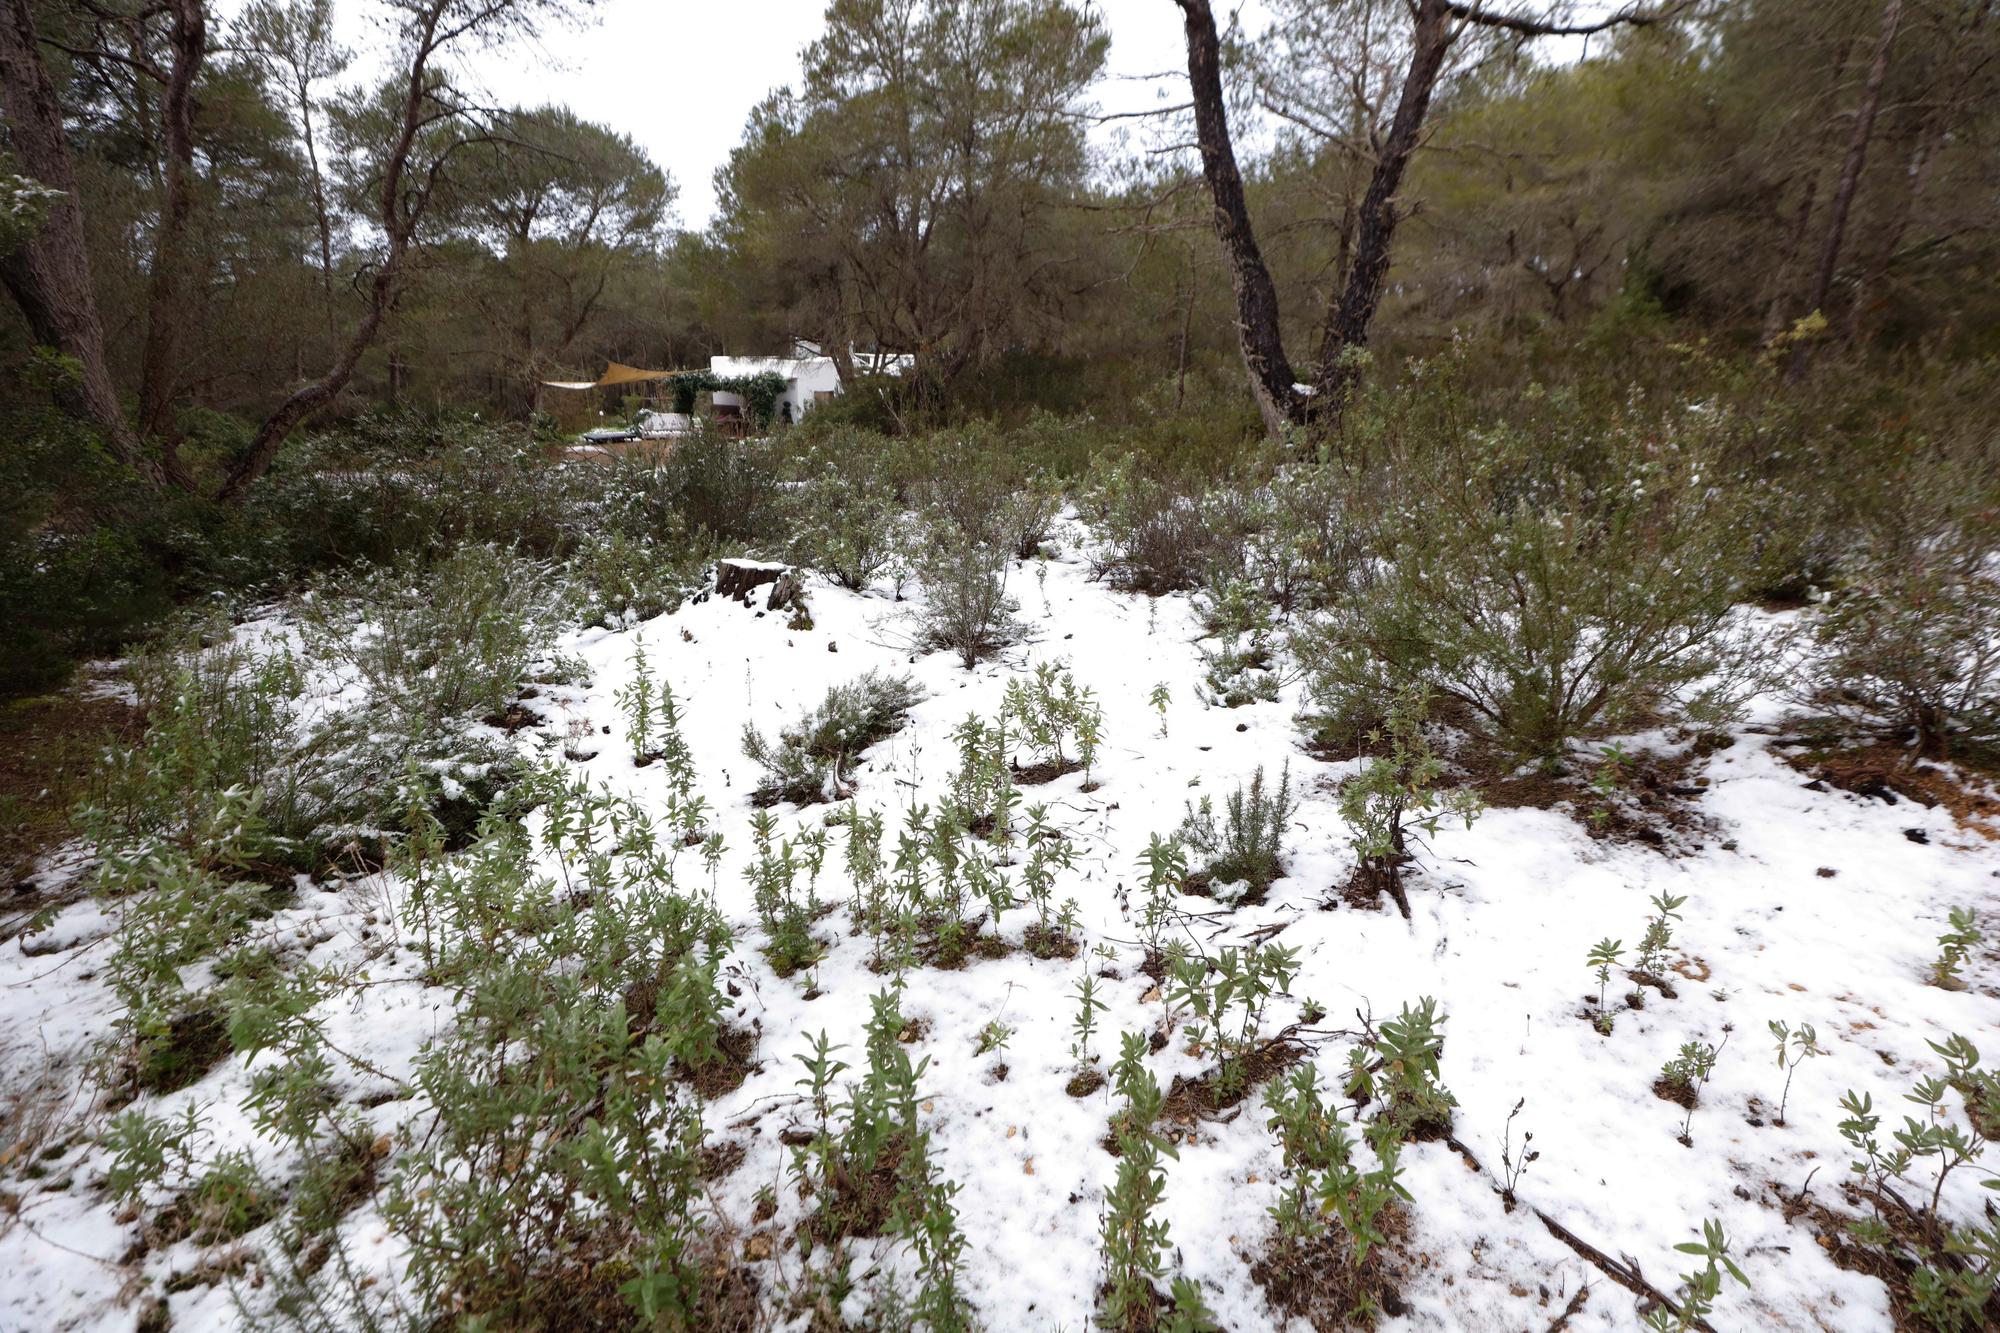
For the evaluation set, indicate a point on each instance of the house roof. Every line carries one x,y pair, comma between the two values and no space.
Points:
791,367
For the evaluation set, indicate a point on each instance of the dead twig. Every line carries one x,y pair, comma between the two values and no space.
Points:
1624,1272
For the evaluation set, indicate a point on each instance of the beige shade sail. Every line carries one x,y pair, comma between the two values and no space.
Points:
614,373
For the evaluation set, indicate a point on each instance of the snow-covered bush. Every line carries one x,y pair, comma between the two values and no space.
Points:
1912,643
1161,536
966,609
221,717
843,513
1244,847
512,1203
711,484
1554,589
434,643
621,580
1242,668
434,651
811,759
1050,715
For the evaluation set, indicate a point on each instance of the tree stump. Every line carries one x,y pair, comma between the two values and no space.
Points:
737,579
788,591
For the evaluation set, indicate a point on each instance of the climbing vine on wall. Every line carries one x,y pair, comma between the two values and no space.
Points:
759,392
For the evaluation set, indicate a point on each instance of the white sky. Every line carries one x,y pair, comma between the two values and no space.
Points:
680,76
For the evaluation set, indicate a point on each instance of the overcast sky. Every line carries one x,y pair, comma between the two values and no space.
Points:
680,76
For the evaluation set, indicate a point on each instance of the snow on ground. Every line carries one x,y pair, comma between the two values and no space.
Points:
1503,917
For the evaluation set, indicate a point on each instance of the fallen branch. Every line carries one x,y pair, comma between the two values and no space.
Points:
1625,1274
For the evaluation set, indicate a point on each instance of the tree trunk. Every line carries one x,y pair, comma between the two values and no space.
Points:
1348,319
310,398
1850,174
1775,310
1932,132
49,275
400,208
166,307
1271,379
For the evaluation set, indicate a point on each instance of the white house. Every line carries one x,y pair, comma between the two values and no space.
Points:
809,376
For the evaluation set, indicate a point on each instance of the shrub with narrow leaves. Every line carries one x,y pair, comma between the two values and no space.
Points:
811,760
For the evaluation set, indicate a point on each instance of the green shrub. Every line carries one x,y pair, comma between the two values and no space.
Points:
843,514
811,759
966,609
1243,851
725,488
1554,588
436,649
620,580
1160,536
1909,642
557,1167
222,718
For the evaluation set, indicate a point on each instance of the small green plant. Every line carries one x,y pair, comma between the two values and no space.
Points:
636,698
1049,853
994,1037
812,760
673,753
230,1199
148,1151
1398,797
981,792
587,981
1242,853
1160,697
1135,1238
1684,1076
1225,997
786,913
868,1165
1328,1196
1698,1289
1658,939
1608,777
1166,870
1409,1075
1795,1047
1604,956
1088,1007
1514,1162
1046,710
1954,946
1953,1267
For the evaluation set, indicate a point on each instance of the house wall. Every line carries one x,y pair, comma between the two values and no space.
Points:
804,377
